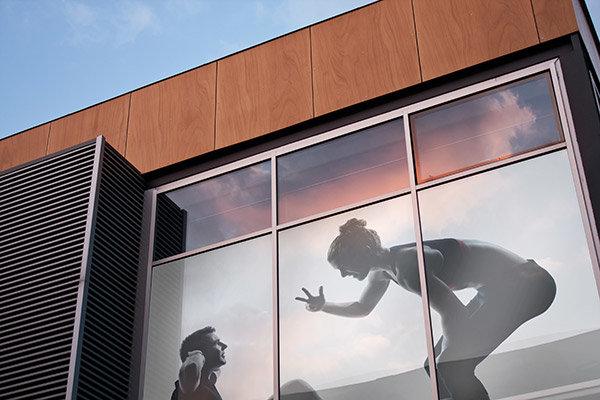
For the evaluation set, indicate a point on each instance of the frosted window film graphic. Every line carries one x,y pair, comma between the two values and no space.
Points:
527,210
511,284
485,127
374,356
229,289
226,206
342,171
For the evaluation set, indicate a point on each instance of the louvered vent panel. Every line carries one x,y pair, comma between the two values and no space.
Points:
112,281
43,211
169,238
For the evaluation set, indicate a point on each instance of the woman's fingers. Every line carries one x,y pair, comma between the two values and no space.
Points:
301,299
321,291
307,293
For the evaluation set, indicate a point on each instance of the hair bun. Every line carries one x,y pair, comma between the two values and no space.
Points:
353,225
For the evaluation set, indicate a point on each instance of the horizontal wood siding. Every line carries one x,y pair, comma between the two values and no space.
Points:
264,89
26,146
380,48
364,54
172,120
455,34
108,119
554,18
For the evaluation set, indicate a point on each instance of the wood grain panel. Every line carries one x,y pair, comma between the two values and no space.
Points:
23,147
108,119
264,89
172,120
554,18
454,34
364,54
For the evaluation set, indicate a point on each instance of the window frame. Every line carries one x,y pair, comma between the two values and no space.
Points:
566,125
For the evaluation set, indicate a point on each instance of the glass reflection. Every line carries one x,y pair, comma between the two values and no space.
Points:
217,209
342,171
485,127
229,289
379,355
512,290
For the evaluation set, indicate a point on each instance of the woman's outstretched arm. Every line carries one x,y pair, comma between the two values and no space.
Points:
376,286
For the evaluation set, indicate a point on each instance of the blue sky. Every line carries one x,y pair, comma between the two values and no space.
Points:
59,56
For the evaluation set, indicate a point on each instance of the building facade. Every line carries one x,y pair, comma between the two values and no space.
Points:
443,154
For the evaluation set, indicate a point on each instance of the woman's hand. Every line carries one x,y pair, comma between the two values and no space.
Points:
313,303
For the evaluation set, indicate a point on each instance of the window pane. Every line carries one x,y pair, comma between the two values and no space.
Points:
217,209
523,270
378,356
342,171
229,289
485,127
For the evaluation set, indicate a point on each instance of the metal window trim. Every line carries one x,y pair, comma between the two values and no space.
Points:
76,343
481,86
403,112
150,212
577,170
421,262
492,165
275,278
285,149
211,247
363,124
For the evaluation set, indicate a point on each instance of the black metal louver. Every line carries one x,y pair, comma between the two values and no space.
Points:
170,228
43,214
70,228
109,308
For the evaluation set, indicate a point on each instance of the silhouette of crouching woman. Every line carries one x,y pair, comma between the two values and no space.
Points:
510,291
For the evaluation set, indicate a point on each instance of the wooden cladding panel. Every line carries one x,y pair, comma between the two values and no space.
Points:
455,34
108,119
554,18
172,120
23,147
364,54
263,89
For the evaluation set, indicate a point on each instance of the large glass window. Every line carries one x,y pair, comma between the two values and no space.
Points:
513,248
342,171
343,350
217,209
486,127
229,289
499,240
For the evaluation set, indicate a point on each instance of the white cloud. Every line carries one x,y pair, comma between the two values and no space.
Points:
132,18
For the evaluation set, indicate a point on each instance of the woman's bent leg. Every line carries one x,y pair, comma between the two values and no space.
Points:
459,377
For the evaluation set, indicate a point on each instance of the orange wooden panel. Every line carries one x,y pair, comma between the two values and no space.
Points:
108,119
364,54
263,89
23,147
454,34
554,18
172,120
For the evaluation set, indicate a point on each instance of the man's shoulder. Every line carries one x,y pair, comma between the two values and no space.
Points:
205,391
